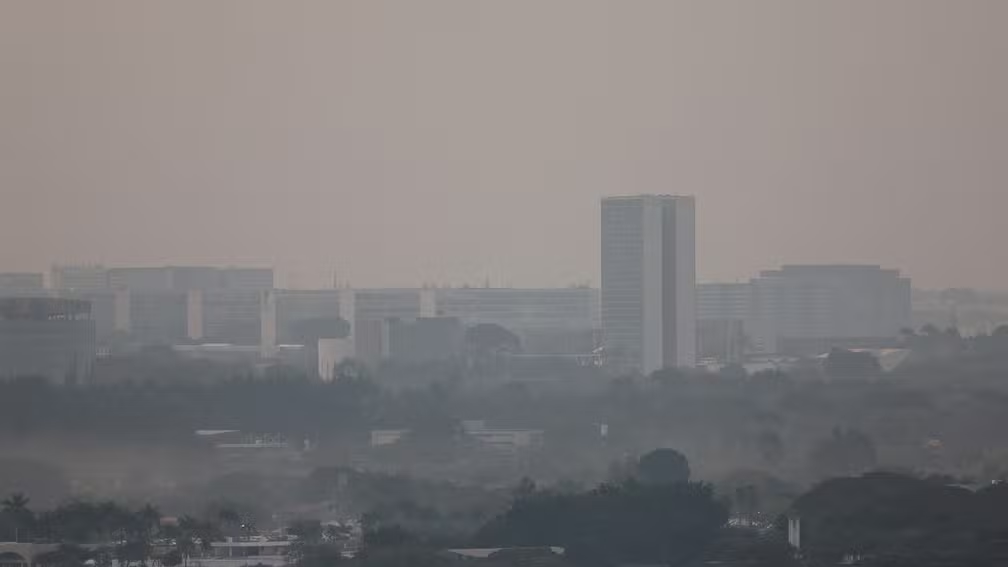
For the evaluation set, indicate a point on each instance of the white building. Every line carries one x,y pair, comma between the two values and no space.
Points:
648,294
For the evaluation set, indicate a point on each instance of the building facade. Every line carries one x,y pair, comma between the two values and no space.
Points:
14,284
648,295
549,321
423,340
165,305
77,278
723,313
809,309
48,338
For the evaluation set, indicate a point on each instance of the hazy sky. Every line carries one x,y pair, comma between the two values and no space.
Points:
449,141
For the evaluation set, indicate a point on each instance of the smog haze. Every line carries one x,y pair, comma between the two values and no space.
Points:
453,141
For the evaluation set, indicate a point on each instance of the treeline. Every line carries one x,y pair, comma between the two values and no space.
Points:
940,412
105,532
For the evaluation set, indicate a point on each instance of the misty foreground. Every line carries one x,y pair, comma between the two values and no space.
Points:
763,442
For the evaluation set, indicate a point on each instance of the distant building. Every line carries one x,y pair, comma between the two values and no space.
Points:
103,312
724,301
422,340
372,308
165,305
723,312
80,278
188,278
14,284
332,353
47,337
549,321
648,282
227,316
383,437
809,309
313,318
393,303
295,309
152,317
247,279
503,439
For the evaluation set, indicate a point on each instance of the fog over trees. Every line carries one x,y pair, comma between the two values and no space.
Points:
668,457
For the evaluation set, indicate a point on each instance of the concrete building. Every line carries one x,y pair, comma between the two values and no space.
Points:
103,312
246,279
809,309
648,295
372,308
14,284
80,278
297,308
166,305
316,319
226,316
188,278
550,321
153,317
422,340
724,301
724,311
47,337
332,353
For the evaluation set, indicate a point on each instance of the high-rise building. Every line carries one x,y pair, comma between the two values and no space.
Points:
649,281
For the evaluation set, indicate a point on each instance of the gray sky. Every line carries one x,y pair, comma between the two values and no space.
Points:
454,140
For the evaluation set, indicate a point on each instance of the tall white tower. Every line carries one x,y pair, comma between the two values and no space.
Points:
649,281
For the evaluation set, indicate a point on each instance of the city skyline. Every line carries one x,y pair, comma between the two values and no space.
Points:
366,139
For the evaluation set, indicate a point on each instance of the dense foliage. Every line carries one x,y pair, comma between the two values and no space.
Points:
628,523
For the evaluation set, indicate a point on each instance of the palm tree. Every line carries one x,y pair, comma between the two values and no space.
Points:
150,518
16,503
228,516
15,507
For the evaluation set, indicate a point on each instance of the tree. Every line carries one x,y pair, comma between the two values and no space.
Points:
489,340
172,559
843,453
309,538
388,536
842,363
149,519
17,514
908,520
66,555
526,488
228,516
16,503
628,523
770,447
663,466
